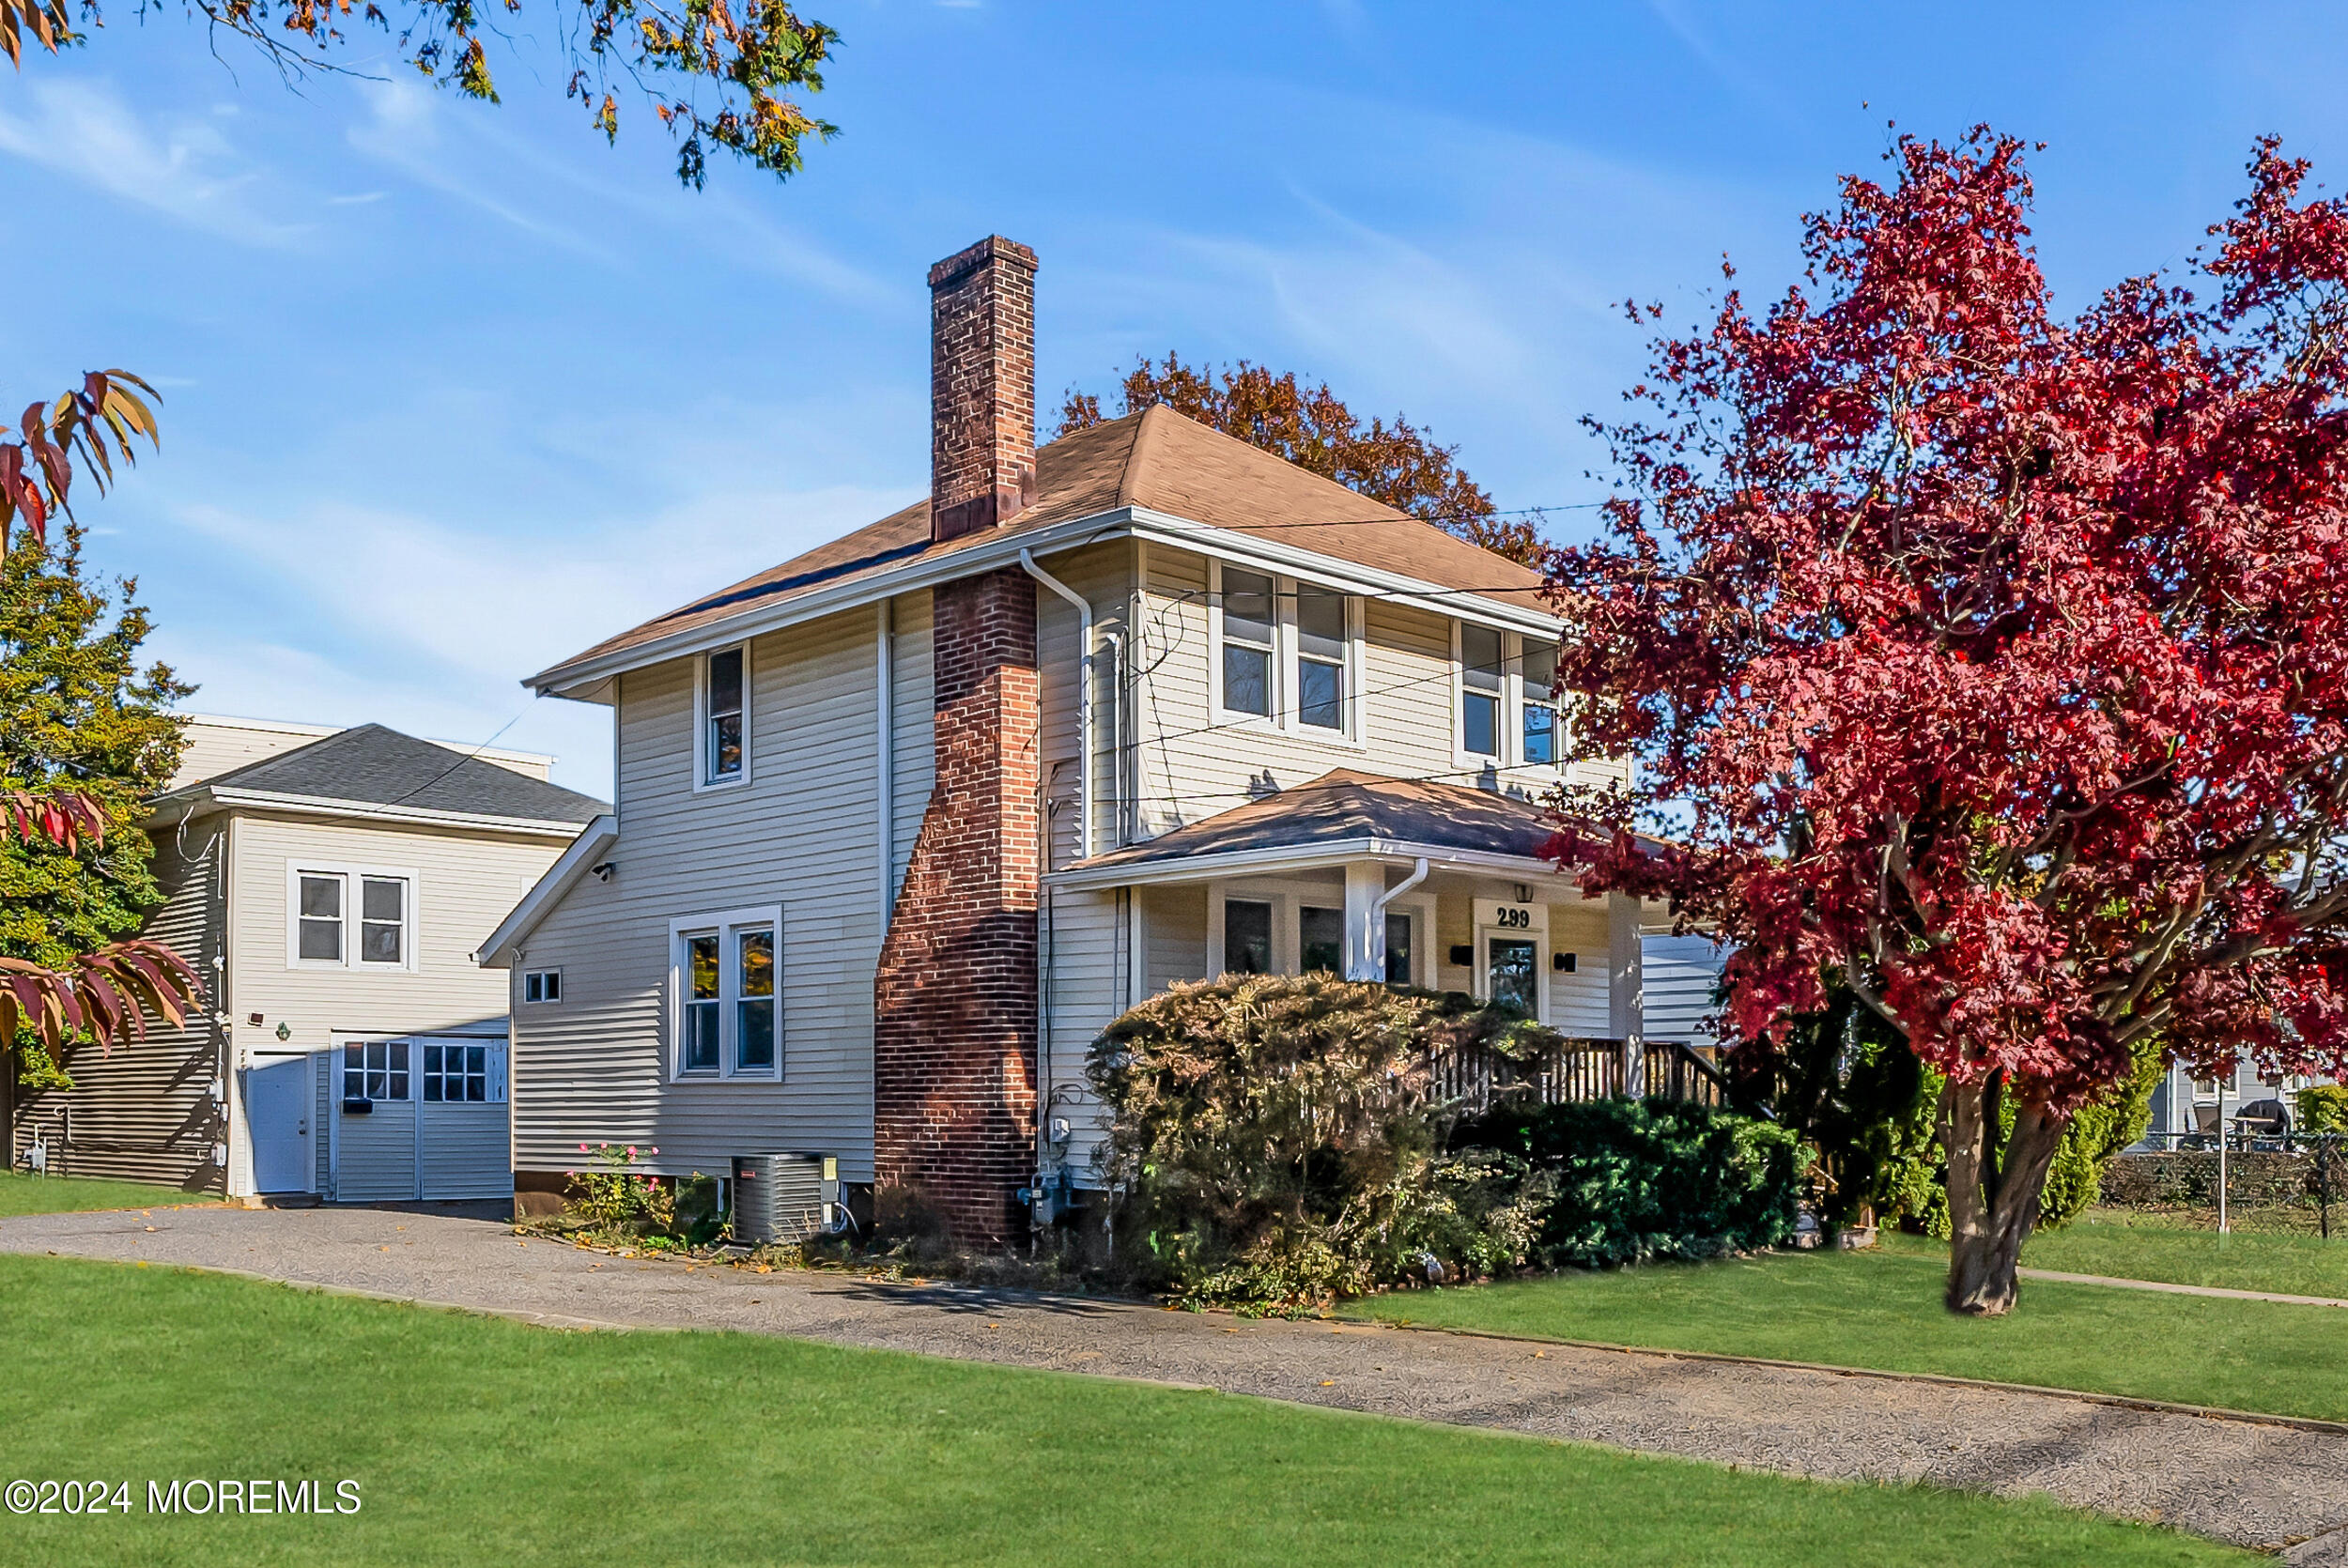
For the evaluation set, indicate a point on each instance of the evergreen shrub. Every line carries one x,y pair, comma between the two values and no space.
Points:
1641,1180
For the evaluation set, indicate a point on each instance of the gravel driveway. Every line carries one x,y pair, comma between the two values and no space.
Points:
2256,1484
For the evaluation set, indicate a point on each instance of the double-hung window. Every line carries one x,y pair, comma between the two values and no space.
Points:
1248,638
349,918
724,716
1542,742
1321,693
728,1012
1481,684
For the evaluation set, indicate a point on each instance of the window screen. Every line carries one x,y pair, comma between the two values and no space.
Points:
1247,937
382,921
1247,643
754,1011
1321,658
1479,695
701,1004
724,738
1398,949
1540,708
321,919
1321,939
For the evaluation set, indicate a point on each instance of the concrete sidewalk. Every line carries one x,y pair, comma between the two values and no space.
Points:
2251,1482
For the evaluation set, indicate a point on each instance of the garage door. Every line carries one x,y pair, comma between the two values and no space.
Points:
422,1117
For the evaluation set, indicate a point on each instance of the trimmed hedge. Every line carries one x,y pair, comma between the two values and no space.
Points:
1638,1179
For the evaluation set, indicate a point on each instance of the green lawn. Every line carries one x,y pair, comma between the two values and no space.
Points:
2154,1247
30,1194
476,1441
1882,1310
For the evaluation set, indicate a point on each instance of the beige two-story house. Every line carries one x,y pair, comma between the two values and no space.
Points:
329,885
901,823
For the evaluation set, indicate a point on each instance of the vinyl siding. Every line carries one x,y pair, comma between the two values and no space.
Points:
465,883
1174,930
466,1151
377,1154
1086,989
1680,974
142,1111
1193,762
801,834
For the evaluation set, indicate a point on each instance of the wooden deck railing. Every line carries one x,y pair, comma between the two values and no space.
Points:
1578,1069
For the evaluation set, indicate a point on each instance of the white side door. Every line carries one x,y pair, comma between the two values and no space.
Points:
277,1101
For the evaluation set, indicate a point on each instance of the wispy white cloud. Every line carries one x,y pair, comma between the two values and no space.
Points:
186,168
403,130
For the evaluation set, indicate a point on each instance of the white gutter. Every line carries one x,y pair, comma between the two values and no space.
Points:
1141,871
578,677
327,805
1084,699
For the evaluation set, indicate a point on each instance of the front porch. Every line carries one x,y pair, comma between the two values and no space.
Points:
1434,885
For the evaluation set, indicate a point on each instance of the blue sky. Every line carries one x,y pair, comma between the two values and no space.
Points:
454,391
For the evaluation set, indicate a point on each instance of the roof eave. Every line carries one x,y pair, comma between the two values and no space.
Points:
499,950
590,679
1217,864
327,805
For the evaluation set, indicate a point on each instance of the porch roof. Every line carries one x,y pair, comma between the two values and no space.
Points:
1341,816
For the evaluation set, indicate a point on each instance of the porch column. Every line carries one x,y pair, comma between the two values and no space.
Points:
1626,989
1364,932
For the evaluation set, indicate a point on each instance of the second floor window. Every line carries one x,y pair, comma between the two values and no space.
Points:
1541,739
346,918
723,711
1480,688
1321,658
1248,624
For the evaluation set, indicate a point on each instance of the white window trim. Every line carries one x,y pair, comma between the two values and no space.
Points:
521,994
725,925
701,780
1462,757
1288,898
352,894
1224,717
1290,653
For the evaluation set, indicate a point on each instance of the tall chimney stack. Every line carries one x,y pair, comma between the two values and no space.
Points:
981,387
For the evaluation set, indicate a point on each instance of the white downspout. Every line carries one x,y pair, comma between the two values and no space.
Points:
1418,874
884,685
1084,700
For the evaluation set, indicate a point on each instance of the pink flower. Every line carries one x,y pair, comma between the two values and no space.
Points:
582,1148
631,1151
656,1151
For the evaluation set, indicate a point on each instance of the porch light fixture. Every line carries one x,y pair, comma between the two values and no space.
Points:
284,1031
1462,955
1562,962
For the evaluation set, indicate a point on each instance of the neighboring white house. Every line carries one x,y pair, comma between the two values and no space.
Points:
901,823
329,885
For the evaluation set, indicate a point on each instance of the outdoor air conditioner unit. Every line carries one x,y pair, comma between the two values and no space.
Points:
782,1197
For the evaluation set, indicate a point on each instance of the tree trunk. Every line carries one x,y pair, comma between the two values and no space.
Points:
1993,1192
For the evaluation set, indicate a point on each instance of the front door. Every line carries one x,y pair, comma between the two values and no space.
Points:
277,1115
1514,978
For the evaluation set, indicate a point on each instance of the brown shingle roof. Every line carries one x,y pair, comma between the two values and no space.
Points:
1158,460
1344,806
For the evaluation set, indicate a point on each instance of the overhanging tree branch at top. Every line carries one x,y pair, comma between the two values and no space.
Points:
717,73
2000,661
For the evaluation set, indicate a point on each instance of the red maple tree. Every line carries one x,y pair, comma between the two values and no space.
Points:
1993,664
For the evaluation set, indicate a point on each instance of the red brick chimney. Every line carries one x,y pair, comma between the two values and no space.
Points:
981,387
956,1012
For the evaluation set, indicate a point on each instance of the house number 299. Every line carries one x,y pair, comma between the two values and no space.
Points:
1514,919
